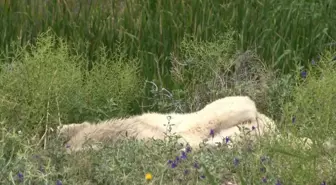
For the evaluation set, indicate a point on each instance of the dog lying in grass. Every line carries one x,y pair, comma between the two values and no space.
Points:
217,120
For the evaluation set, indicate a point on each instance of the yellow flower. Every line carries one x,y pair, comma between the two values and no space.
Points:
148,176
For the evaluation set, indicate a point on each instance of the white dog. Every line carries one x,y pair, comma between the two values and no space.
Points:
220,117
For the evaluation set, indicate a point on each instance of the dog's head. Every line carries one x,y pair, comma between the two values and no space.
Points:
70,130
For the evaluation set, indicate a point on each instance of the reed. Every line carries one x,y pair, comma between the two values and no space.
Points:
283,32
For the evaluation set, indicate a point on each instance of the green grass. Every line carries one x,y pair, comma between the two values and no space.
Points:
74,61
48,86
283,32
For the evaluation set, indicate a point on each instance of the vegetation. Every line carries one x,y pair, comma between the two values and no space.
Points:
74,61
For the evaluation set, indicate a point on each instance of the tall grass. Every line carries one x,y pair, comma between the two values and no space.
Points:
283,32
267,161
92,73
47,86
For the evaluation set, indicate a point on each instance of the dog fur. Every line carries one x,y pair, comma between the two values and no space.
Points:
222,116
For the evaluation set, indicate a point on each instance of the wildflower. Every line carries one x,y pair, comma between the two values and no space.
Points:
59,182
227,139
188,149
235,161
263,169
67,146
324,183
186,172
212,133
196,165
20,176
202,176
177,159
264,180
173,164
184,155
278,182
148,176
303,74
313,62
263,158
293,119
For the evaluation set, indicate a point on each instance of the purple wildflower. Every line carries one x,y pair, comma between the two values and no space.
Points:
186,172
236,161
196,165
264,159
59,182
263,169
177,159
184,155
173,164
212,133
278,182
20,176
264,180
188,149
303,74
324,183
227,139
202,176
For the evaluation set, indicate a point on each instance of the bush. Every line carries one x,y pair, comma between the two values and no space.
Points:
313,106
207,71
41,86
46,86
112,86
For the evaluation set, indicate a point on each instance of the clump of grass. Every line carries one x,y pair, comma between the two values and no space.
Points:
40,85
112,86
282,32
313,105
47,84
44,85
267,161
286,32
211,70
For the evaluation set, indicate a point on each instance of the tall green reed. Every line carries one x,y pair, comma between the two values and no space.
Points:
283,32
